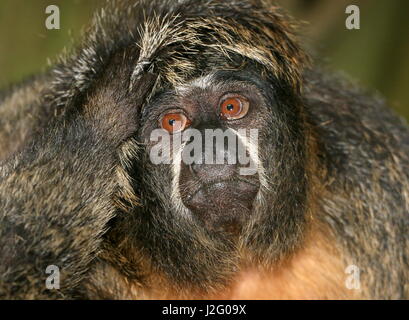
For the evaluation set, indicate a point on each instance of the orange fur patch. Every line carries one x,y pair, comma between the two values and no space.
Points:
317,271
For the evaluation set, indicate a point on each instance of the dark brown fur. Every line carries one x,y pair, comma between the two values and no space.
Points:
76,191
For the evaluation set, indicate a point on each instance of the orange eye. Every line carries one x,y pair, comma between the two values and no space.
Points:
233,108
174,122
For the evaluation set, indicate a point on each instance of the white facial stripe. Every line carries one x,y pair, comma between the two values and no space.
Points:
175,195
260,201
202,83
254,155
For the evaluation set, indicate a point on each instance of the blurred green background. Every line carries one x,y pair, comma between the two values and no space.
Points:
377,55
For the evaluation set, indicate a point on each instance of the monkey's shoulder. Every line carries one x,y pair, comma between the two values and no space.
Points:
354,127
23,110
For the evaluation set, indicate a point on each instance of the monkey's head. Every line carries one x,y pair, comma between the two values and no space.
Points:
195,137
220,163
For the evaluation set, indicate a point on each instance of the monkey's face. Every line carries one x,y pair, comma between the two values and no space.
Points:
206,133
197,216
214,150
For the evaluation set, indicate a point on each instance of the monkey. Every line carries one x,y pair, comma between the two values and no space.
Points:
78,189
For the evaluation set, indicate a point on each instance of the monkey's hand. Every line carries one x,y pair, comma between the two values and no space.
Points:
55,202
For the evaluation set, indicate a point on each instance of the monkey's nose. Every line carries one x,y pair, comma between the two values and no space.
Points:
209,172
215,163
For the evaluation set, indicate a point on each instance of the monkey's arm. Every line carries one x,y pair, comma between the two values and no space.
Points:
22,113
55,202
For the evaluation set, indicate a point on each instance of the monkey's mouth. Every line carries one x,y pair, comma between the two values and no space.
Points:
222,205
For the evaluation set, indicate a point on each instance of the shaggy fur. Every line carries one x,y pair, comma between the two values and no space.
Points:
77,189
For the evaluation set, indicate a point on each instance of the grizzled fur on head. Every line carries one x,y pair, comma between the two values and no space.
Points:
143,48
177,39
